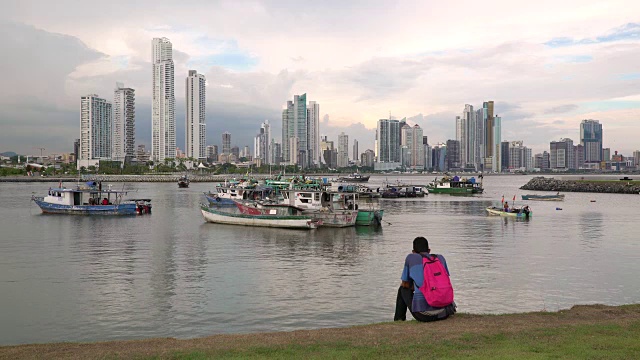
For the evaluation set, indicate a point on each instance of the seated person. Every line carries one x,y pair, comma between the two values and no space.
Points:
105,201
409,294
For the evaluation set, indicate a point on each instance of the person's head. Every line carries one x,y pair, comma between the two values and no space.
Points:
421,245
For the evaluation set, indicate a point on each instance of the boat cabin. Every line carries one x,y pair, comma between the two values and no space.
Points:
76,197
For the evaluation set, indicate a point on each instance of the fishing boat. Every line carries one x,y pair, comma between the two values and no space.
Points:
90,199
229,195
555,197
334,209
456,186
183,182
267,218
521,212
363,191
355,177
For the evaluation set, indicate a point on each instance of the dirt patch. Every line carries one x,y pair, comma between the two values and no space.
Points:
390,333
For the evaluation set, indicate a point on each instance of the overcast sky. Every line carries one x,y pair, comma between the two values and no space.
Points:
546,64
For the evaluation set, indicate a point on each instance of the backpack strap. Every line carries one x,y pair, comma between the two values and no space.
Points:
431,258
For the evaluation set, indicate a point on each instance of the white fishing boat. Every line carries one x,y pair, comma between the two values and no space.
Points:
522,212
263,219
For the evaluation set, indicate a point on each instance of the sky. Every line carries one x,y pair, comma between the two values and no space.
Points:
546,64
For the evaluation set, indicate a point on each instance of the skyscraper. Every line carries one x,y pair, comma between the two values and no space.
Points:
195,127
343,150
95,129
226,143
413,157
388,144
452,155
466,134
355,150
262,143
591,139
163,120
300,131
489,141
124,137
562,154
313,126
496,161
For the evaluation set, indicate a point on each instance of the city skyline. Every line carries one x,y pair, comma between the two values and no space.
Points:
544,74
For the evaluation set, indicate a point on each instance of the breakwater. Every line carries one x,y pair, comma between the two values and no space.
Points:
593,186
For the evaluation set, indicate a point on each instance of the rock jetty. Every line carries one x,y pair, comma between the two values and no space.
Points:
593,186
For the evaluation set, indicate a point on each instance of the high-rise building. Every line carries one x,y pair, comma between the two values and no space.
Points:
452,155
246,152
355,150
505,158
95,128
195,126
591,139
301,132
276,153
578,156
388,138
636,159
235,151
542,161
516,149
562,154
490,142
76,149
226,143
124,118
212,153
606,154
496,162
313,133
262,144
367,158
439,157
343,150
163,119
466,134
413,154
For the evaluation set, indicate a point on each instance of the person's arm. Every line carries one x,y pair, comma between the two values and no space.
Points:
444,263
406,279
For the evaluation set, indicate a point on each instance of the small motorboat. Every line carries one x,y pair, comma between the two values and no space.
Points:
522,212
183,182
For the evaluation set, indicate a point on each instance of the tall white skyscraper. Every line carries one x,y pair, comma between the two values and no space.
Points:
591,139
313,126
262,143
195,127
413,148
343,150
496,161
95,128
123,127
163,120
388,153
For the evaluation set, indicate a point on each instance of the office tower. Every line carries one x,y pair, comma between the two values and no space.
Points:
123,137
95,128
591,139
452,155
235,151
262,143
355,151
636,159
413,154
276,153
226,143
606,154
505,158
195,126
496,160
313,134
212,153
515,155
367,158
489,141
300,131
246,152
481,122
562,154
163,120
466,135
343,150
388,143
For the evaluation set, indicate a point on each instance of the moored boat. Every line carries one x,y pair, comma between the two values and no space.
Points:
522,212
90,200
555,197
334,209
261,219
355,177
456,186
183,182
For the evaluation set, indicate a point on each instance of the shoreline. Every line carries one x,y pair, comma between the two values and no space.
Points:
594,327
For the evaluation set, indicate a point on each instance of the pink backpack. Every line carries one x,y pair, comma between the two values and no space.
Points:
436,287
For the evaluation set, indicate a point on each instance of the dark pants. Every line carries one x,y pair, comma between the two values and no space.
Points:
403,302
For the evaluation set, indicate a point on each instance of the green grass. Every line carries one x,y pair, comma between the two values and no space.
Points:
569,342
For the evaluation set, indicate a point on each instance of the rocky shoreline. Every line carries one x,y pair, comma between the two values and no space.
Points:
609,186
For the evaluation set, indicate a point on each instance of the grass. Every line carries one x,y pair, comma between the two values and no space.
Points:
584,332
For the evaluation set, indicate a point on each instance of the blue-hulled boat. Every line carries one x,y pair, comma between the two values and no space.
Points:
90,199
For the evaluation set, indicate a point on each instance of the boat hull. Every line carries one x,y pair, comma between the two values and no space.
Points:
369,217
499,212
435,190
335,219
120,209
288,222
219,201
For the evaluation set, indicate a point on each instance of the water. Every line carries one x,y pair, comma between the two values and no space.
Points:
74,278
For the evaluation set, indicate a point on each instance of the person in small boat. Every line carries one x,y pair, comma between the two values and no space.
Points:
506,206
409,294
105,201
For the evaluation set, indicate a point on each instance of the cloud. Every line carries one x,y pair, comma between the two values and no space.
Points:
630,31
561,109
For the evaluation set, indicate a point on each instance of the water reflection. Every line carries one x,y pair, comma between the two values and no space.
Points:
591,225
